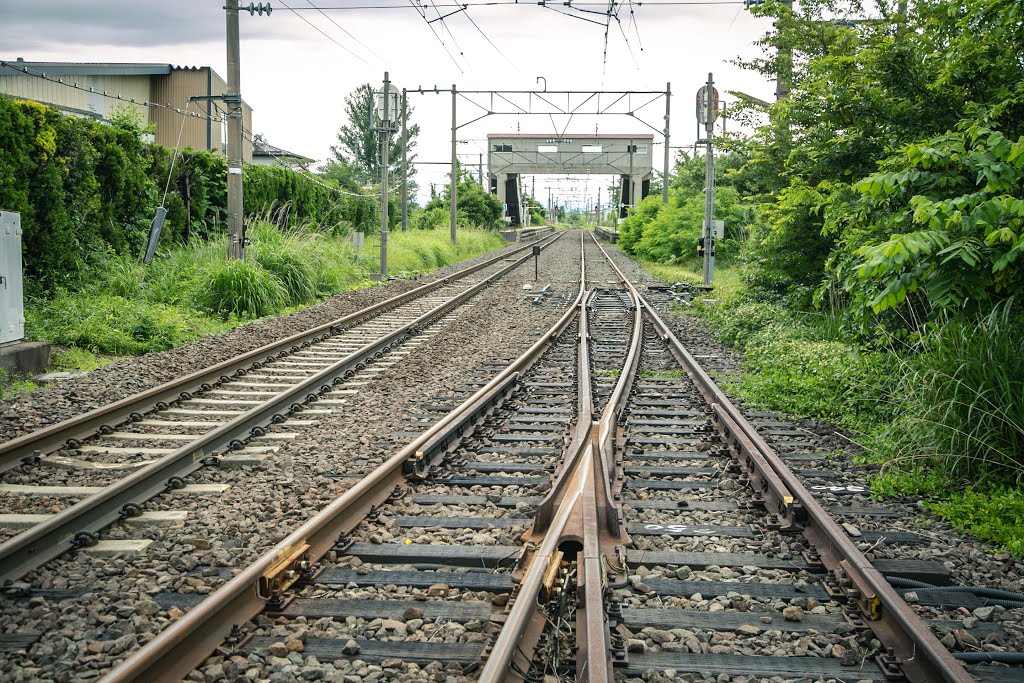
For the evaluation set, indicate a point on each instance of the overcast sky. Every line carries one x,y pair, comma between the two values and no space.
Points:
296,79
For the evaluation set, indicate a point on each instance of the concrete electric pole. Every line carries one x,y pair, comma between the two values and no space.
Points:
668,109
455,169
233,102
387,109
707,113
405,165
385,143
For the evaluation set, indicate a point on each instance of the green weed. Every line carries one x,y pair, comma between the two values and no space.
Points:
112,324
242,288
73,359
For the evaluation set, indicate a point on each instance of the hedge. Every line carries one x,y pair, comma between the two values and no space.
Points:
84,188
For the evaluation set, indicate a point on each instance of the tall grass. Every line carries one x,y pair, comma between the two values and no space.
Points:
188,292
961,398
243,288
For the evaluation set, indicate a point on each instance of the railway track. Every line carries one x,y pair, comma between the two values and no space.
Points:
596,509
108,462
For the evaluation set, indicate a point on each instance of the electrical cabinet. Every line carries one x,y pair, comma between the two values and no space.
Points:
12,302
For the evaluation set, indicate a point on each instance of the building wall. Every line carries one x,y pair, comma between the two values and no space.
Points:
80,102
173,90
198,133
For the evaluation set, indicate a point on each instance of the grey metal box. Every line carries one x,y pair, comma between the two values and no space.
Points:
12,301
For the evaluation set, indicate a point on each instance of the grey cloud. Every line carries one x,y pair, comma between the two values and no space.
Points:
27,24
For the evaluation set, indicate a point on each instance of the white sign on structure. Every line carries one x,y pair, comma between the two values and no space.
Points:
718,229
392,102
702,105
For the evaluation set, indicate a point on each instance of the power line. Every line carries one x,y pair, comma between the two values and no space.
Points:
423,14
542,3
342,29
320,31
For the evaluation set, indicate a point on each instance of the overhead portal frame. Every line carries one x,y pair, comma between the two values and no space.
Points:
544,103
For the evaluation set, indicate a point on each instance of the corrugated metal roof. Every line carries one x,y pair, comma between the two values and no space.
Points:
91,68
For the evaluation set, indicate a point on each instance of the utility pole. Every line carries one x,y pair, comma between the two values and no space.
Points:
709,182
480,169
668,108
455,165
385,143
233,100
632,185
598,207
405,166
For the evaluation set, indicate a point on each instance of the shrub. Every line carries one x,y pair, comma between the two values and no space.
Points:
961,398
295,273
241,288
112,324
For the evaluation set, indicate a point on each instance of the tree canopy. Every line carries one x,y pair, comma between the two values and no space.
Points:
357,158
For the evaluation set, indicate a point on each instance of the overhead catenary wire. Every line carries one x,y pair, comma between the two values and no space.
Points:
423,15
542,3
321,31
343,29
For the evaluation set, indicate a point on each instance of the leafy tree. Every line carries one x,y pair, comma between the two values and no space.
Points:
358,148
476,206
882,92
536,209
942,220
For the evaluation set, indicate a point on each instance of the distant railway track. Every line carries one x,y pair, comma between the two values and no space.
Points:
595,510
118,456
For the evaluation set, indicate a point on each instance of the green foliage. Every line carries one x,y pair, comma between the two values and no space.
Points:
74,359
85,189
961,399
944,219
111,324
891,166
358,153
670,232
994,514
477,207
795,363
789,248
242,288
11,385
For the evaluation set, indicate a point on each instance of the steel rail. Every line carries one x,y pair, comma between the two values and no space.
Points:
56,535
914,649
56,436
549,520
580,507
186,643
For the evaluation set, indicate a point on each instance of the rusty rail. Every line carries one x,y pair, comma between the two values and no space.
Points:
57,534
82,426
914,650
581,508
186,643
